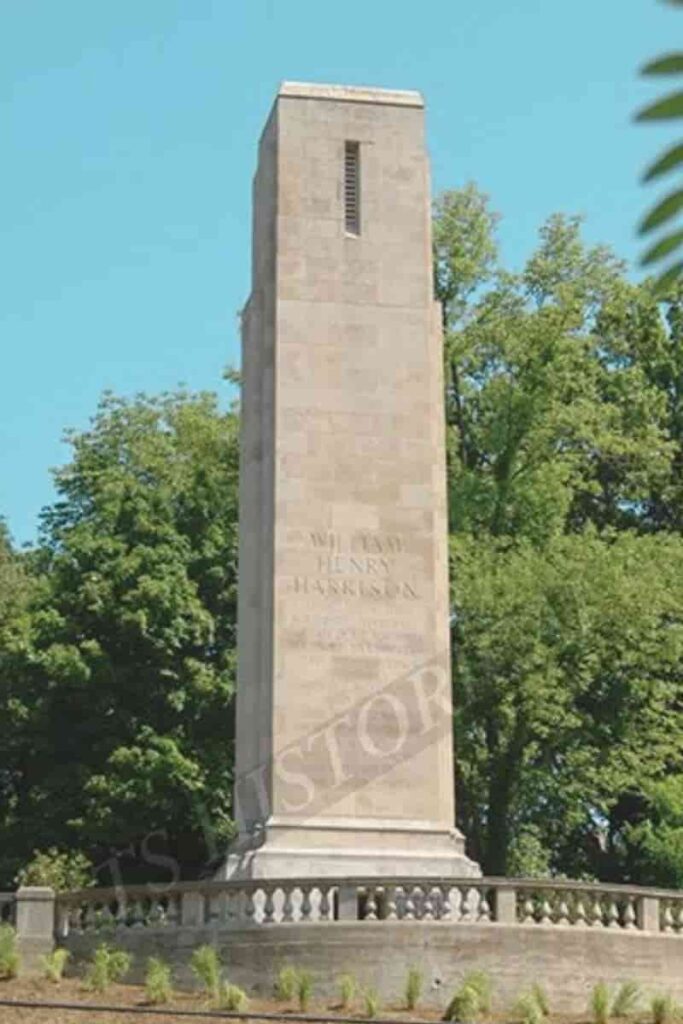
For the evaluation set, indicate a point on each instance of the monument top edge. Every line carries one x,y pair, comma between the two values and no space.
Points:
351,93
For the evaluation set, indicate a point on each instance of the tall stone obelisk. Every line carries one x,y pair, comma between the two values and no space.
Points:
344,726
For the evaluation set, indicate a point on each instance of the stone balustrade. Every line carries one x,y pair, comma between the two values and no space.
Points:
487,901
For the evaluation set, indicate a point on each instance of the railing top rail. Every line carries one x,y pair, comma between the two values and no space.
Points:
209,887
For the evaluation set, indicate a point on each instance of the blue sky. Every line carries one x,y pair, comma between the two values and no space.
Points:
129,131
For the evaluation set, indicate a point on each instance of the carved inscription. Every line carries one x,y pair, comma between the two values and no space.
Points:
359,564
373,636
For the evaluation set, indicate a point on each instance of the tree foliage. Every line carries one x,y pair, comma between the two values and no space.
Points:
564,400
119,669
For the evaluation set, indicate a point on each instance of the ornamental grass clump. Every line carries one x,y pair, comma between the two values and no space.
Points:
158,984
206,967
231,998
370,1003
533,1006
664,1010
9,955
472,1000
413,989
465,1006
108,965
54,964
541,997
627,999
600,1003
348,987
286,984
304,989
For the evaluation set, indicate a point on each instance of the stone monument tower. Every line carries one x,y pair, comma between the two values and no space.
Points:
344,727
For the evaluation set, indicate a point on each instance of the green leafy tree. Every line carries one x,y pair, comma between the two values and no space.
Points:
567,671
126,676
564,425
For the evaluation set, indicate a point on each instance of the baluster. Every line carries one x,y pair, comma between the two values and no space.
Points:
528,911
250,906
89,917
409,905
107,918
563,911
596,913
137,914
74,918
612,913
400,896
667,918
288,906
418,901
580,912
446,908
121,917
629,915
466,905
370,912
392,905
428,905
456,903
546,910
326,904
484,907
62,920
306,906
677,908
269,906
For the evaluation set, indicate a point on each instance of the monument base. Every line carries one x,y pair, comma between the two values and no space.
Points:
350,848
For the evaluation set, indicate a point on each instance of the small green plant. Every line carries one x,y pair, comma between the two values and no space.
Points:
370,1003
527,1009
348,987
627,999
304,989
600,1003
481,983
465,1006
231,998
108,965
286,984
206,967
664,1009
54,963
413,989
158,985
541,997
9,956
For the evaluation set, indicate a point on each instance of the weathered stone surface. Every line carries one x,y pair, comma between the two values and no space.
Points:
569,961
344,749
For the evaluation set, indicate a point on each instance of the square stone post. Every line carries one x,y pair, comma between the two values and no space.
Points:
647,913
35,925
192,910
506,905
347,905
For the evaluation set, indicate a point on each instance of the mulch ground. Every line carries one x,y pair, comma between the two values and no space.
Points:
70,990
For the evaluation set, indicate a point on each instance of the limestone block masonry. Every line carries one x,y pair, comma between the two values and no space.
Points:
344,729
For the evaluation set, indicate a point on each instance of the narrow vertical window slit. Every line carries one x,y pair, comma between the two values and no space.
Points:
352,188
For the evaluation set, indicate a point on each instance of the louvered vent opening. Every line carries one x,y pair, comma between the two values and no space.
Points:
352,188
